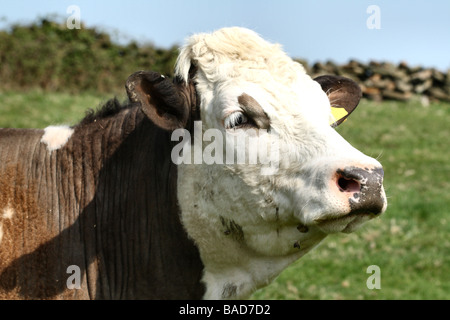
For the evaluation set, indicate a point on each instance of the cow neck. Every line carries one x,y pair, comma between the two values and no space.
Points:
130,225
104,205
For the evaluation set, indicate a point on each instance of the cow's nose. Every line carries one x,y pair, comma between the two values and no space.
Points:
363,187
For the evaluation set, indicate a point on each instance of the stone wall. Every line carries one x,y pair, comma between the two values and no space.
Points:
387,81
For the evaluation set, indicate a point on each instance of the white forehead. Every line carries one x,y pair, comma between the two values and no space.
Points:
231,61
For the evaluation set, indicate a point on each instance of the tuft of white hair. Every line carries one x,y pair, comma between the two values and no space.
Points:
230,52
55,137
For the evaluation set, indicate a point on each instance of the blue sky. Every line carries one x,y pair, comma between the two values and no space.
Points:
415,31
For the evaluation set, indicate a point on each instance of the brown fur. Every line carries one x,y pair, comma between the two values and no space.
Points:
22,233
105,202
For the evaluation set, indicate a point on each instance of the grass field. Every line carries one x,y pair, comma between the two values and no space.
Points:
410,243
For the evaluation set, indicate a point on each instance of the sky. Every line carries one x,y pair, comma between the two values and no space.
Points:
413,31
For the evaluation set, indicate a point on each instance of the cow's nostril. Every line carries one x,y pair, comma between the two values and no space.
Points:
362,187
348,185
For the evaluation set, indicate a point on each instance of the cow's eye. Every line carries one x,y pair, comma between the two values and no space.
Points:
235,120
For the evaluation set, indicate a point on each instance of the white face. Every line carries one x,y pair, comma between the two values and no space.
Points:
238,216
300,189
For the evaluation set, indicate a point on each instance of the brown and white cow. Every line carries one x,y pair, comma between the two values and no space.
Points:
108,198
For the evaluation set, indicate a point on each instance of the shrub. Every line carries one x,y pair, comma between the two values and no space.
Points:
48,55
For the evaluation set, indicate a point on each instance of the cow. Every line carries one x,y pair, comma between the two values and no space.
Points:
106,209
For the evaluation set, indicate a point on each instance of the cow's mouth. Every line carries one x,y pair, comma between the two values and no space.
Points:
347,223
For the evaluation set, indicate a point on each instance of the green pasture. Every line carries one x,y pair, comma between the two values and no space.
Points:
410,243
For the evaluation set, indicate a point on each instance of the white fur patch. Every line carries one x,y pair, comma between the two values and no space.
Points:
55,137
8,213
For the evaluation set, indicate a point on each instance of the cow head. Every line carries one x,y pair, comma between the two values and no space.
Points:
248,223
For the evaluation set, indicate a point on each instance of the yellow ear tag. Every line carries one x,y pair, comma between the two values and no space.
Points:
338,114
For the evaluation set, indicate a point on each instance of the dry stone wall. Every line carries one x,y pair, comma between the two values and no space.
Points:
387,81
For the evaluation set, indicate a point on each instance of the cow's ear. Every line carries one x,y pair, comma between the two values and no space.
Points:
161,99
344,95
